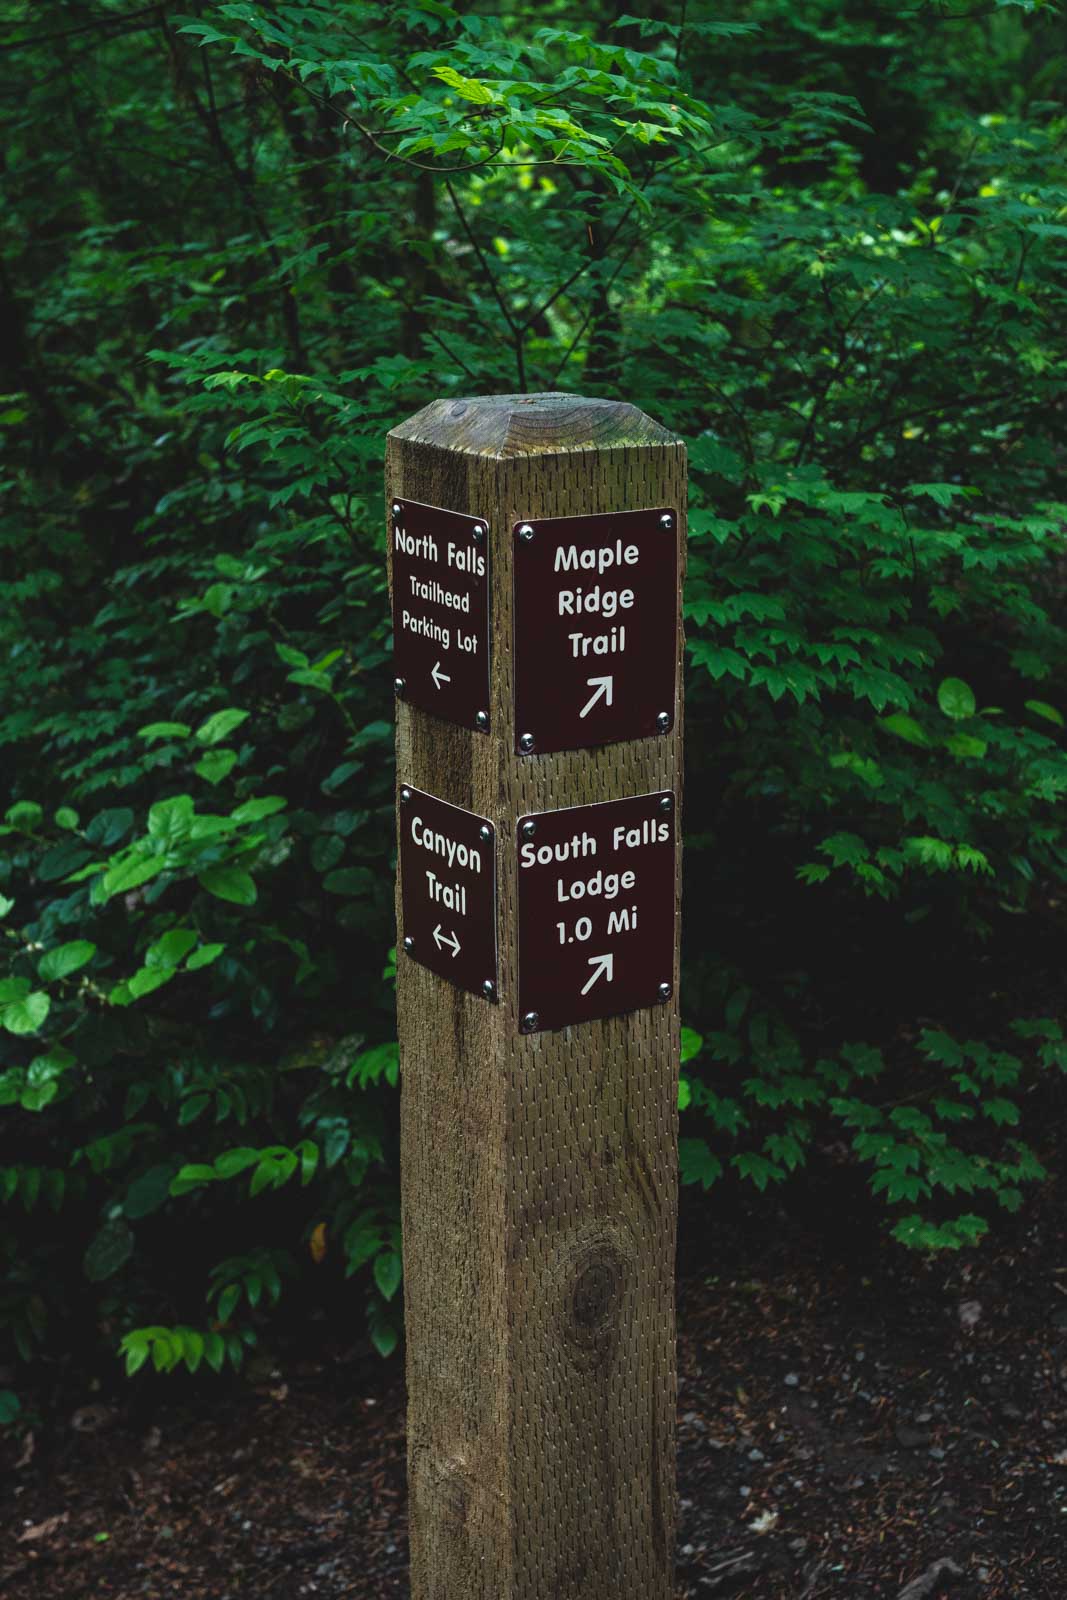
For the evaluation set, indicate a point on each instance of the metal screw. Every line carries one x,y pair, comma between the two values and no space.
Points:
667,521
478,532
664,991
489,989
526,533
667,803
405,797
481,720
530,1021
485,832
398,510
398,685
409,943
663,721
529,829
526,743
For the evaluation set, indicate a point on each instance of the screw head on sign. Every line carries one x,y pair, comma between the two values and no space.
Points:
485,832
666,521
663,721
398,685
489,989
667,803
405,796
409,943
664,991
481,720
397,509
526,533
529,829
526,743
530,1021
478,532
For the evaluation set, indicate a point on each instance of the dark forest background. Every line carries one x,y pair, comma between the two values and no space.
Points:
825,242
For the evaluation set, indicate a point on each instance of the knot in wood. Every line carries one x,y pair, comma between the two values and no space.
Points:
599,1279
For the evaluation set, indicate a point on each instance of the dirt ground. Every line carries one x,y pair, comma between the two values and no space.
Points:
852,1420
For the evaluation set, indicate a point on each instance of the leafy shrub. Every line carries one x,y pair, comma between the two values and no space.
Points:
827,248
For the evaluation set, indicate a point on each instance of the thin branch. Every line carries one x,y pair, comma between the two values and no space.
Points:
452,354
112,19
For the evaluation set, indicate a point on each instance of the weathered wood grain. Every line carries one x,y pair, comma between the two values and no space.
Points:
539,1171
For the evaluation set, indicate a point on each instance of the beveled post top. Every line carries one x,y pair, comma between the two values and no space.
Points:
508,425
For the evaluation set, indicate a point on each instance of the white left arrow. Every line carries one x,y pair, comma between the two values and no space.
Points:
603,966
438,676
600,686
449,939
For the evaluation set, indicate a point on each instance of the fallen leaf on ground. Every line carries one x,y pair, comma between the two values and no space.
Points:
926,1582
41,1530
970,1312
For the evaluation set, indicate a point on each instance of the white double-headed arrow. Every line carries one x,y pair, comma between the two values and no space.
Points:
438,676
447,938
599,686
602,965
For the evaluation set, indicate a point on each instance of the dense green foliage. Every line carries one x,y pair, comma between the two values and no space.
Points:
824,242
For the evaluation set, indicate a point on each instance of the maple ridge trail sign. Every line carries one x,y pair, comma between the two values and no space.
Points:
596,605
536,556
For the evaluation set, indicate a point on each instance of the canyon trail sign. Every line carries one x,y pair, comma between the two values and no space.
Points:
441,611
596,910
448,890
596,641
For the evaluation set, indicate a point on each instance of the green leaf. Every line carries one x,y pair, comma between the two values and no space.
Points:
384,1338
216,765
904,727
66,818
172,948
220,725
203,957
5,906
26,1016
25,814
130,873
64,960
388,1271
110,1250
1041,708
956,699
966,747
170,821
257,810
148,1192
164,730
191,1177
148,980
692,1044
469,88
232,1162
230,883
227,1302
697,1164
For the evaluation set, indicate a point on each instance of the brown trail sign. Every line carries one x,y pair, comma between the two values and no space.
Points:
539,1158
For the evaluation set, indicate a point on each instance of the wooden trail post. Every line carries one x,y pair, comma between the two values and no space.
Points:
536,555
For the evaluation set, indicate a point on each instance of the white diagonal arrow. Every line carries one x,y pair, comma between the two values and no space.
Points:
599,686
447,938
603,965
438,676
